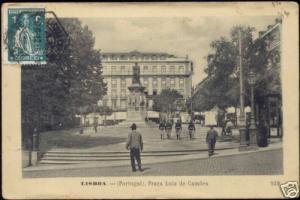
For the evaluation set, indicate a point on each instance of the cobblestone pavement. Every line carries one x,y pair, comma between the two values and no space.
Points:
254,163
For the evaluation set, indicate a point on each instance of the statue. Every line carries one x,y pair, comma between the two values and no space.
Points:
136,74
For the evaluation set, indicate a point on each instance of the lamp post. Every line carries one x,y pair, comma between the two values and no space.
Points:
242,122
252,127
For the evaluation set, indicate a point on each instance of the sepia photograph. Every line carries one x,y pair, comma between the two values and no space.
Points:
145,95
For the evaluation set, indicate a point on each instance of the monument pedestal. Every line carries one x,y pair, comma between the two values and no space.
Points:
136,97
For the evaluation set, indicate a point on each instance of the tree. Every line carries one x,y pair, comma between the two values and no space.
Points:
164,102
222,85
104,110
72,77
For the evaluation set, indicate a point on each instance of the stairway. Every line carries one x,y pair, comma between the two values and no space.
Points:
68,157
156,149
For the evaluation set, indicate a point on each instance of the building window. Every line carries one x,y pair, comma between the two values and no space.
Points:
145,69
163,57
154,82
181,83
163,69
163,83
114,104
104,68
168,83
145,82
113,69
104,102
172,83
123,83
154,69
123,92
113,57
146,57
123,104
114,83
181,69
172,69
154,57
113,93
123,69
104,57
123,57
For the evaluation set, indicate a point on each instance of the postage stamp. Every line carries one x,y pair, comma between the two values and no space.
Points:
26,35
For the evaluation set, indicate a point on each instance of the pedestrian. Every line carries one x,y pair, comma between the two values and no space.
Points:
229,126
211,138
169,128
161,127
191,129
178,128
135,144
95,124
60,125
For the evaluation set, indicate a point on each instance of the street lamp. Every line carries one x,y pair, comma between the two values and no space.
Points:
252,127
242,122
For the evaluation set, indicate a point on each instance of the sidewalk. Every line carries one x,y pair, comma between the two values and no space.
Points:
146,160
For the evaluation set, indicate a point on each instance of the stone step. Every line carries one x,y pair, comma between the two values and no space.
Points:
116,155
60,157
70,152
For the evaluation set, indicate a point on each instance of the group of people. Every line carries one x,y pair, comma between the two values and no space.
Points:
166,128
135,142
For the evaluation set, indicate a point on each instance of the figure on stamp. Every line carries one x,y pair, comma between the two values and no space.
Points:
24,37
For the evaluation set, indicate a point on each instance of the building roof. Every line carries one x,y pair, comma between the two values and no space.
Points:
138,53
270,28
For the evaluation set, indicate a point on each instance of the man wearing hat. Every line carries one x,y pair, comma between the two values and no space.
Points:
135,144
211,138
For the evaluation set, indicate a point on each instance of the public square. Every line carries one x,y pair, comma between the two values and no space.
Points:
107,156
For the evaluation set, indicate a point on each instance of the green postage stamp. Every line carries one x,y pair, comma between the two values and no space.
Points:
26,35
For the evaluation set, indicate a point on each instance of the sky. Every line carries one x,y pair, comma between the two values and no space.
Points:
180,36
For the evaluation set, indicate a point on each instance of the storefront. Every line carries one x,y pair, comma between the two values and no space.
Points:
270,114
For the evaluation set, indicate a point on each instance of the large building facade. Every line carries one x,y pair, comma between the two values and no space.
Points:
157,71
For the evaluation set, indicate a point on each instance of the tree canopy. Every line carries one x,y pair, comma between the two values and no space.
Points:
221,87
165,100
72,77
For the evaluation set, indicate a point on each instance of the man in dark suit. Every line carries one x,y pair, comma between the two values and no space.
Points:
178,128
135,144
162,126
211,138
191,129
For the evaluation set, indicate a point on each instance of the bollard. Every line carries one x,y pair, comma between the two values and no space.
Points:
34,157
